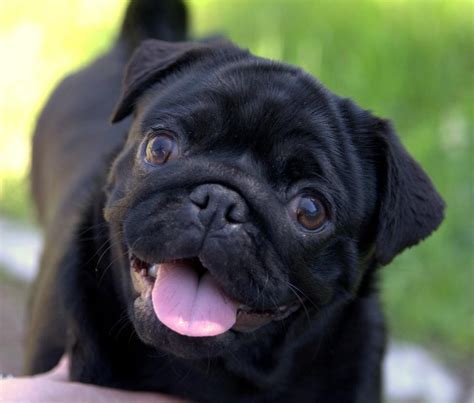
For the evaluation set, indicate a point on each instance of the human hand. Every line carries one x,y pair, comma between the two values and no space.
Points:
54,386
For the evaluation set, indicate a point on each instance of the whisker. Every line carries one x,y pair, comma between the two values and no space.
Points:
100,225
295,292
114,260
290,284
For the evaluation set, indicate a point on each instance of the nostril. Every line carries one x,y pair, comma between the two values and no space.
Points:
200,199
230,216
219,205
237,214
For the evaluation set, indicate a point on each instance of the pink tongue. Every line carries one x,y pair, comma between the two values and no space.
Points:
191,305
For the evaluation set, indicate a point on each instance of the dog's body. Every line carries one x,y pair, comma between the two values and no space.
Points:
247,145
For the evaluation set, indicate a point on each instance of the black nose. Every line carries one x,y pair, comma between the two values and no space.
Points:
219,205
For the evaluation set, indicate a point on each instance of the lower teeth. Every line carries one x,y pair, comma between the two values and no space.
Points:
153,270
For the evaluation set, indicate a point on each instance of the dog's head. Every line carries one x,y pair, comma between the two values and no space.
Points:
247,193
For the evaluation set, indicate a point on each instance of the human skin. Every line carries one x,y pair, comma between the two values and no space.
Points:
54,386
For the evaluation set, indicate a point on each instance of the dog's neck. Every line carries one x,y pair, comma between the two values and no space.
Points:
268,361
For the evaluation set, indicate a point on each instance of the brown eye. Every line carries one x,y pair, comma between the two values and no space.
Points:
309,212
160,149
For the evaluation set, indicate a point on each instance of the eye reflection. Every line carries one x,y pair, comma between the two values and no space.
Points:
309,211
160,149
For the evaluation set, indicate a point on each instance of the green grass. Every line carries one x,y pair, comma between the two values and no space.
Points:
411,61
15,201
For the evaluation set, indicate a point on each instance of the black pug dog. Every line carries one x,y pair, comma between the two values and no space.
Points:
221,243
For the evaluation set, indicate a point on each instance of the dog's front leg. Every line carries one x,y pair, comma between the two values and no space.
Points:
46,329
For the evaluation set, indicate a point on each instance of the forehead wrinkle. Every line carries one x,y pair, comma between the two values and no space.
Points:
165,110
233,85
269,112
246,80
262,123
232,75
285,166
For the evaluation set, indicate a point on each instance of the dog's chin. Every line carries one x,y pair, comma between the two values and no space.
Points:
201,338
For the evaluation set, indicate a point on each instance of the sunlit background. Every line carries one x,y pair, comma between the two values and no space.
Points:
411,61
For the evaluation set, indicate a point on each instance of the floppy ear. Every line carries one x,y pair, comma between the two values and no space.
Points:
410,207
152,60
155,59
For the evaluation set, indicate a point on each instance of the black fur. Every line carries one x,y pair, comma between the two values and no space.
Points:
259,132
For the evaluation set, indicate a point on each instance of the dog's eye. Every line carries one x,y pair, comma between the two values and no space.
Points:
160,149
309,212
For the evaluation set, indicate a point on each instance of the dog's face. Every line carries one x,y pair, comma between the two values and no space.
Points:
247,197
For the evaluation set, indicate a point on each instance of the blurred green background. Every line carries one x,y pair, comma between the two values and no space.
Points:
411,61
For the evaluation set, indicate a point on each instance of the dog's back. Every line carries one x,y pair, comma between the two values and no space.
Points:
73,136
73,145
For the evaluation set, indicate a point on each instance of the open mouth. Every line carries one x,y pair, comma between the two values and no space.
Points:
187,299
